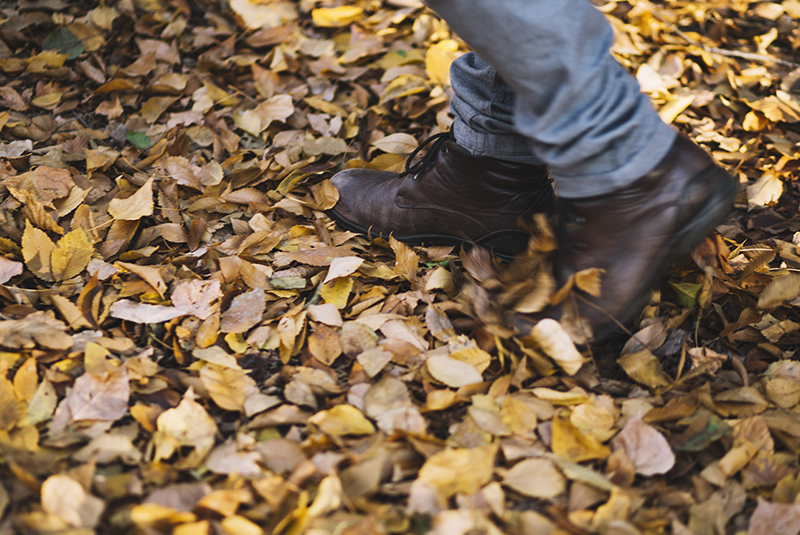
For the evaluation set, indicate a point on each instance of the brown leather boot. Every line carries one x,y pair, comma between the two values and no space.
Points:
636,233
449,198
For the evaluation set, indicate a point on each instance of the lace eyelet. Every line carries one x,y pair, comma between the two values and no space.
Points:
444,150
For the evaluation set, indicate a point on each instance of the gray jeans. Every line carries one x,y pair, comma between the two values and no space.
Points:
544,87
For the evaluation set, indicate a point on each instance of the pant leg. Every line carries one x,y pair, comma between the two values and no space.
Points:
582,111
483,105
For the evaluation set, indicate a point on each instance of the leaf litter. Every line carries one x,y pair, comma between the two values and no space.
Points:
189,345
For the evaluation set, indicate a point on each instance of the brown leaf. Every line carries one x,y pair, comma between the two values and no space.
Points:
150,274
35,330
9,269
324,344
44,185
779,291
244,313
228,387
94,397
407,260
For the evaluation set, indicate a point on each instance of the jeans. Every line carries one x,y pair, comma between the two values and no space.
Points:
543,87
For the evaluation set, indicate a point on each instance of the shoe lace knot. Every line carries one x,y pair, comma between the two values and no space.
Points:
436,142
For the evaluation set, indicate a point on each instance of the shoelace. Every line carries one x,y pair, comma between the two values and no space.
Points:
437,142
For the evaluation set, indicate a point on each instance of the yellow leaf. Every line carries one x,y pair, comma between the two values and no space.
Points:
227,386
402,86
337,291
407,260
47,101
335,17
588,280
644,367
571,444
103,17
194,528
475,357
36,250
342,420
155,106
148,514
438,59
11,409
71,255
754,122
135,207
41,405
675,107
465,471
239,525
25,380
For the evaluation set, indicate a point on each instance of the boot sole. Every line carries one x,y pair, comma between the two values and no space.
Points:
505,245
681,244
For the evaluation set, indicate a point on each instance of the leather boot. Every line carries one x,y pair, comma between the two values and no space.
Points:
449,198
635,234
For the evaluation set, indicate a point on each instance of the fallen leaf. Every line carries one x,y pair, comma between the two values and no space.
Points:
244,313
65,498
135,207
454,471
342,420
770,518
536,478
101,398
71,255
397,143
452,372
334,17
554,341
647,449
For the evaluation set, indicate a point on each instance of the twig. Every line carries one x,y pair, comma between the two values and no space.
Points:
730,53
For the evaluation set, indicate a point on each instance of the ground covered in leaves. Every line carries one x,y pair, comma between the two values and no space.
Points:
189,345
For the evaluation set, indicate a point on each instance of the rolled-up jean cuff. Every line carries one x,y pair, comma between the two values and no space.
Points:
511,148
